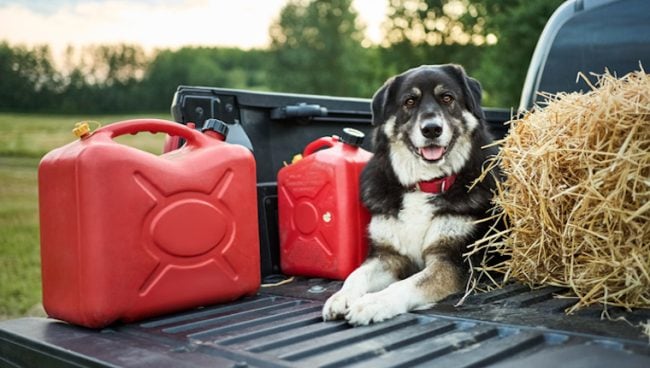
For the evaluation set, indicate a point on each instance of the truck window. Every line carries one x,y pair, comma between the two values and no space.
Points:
615,36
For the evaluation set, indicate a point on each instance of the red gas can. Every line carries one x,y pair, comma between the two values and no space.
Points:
126,234
321,219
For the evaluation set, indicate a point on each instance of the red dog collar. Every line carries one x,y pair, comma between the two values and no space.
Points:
436,186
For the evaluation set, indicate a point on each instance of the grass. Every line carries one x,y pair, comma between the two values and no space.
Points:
19,252
24,139
31,135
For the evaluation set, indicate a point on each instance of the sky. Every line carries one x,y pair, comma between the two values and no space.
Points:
153,23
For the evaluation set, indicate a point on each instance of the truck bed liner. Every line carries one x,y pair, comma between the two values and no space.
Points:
282,327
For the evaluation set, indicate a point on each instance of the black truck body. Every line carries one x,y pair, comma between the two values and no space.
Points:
282,327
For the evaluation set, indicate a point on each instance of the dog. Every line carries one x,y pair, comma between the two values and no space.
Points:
430,141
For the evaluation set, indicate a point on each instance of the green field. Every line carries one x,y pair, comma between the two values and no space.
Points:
24,139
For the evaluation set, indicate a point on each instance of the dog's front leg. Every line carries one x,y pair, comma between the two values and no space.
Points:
383,267
439,279
370,276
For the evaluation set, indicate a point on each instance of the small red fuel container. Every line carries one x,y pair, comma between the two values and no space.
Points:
321,219
127,234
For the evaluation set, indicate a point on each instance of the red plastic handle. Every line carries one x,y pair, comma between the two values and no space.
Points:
193,137
318,144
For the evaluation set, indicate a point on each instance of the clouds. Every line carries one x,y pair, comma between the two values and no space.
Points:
50,6
152,23
171,23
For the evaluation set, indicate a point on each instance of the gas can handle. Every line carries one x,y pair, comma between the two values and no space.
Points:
318,144
134,126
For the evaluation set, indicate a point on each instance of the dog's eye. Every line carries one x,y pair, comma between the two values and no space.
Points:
447,99
409,102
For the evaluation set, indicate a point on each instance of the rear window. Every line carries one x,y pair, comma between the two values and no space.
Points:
614,36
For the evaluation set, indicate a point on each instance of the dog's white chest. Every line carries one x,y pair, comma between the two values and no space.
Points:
418,226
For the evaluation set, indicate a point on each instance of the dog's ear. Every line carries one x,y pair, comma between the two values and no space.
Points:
379,102
471,89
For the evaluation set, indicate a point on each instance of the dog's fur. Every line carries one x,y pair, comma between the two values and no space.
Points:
417,239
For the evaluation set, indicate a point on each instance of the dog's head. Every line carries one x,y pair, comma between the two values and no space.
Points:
427,116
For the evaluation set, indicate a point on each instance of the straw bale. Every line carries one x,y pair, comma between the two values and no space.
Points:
576,198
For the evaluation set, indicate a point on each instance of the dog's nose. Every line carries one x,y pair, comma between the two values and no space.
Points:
431,129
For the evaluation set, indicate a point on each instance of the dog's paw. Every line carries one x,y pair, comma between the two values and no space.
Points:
373,308
337,305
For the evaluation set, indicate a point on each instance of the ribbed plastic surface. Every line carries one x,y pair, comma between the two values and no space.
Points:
277,331
280,331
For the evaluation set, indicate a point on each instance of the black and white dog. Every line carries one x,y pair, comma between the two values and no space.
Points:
429,139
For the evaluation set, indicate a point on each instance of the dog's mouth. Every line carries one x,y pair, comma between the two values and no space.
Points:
432,153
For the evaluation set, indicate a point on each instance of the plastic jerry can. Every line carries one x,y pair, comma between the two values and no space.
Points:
322,221
127,234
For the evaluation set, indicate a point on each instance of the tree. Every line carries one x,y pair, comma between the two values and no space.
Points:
434,23
119,78
203,66
28,78
516,25
316,48
102,79
433,32
494,40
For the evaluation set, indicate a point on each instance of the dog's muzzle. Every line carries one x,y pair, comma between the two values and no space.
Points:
432,144
431,129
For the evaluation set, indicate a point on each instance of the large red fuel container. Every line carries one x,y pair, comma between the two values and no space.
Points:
127,234
322,222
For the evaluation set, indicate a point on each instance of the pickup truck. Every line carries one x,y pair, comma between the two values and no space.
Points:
281,326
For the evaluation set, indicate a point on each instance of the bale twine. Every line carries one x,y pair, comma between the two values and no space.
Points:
576,199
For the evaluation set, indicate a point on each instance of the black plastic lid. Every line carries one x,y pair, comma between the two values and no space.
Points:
352,136
215,125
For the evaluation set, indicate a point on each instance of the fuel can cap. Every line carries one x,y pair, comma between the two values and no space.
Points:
215,125
352,136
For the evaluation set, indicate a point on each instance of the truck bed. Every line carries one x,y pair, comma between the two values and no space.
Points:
282,327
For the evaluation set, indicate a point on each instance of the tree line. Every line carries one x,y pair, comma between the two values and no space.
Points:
317,47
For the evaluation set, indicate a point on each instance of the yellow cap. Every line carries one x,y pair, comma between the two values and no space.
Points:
81,129
296,158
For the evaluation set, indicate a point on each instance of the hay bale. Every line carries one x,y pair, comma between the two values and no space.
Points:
576,201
